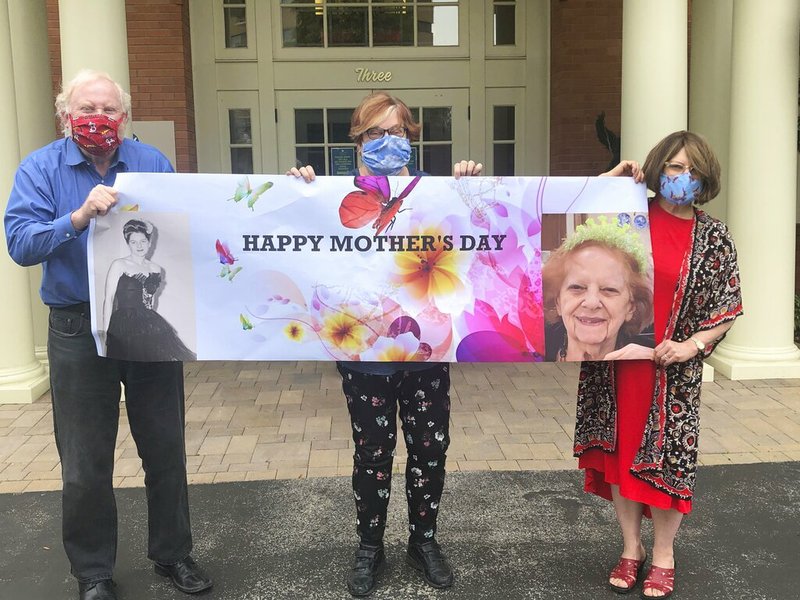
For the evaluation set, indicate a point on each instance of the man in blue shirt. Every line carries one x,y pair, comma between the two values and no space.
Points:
57,191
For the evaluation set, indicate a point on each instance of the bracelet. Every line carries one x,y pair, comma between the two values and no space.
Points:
701,347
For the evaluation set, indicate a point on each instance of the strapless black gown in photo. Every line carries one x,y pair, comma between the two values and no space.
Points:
136,331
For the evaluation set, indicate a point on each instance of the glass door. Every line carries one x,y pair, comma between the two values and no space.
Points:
313,129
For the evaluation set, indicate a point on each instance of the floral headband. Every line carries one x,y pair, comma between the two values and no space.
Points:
615,234
148,226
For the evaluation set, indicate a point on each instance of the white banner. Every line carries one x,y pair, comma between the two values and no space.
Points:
268,267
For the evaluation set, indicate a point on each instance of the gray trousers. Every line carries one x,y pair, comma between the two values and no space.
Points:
86,391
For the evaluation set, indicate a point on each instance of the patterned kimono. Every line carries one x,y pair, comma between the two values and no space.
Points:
708,294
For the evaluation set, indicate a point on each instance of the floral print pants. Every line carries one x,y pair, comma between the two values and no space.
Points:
424,401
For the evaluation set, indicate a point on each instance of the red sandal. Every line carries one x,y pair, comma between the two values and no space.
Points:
660,580
627,569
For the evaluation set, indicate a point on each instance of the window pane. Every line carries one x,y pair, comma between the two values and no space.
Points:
308,127
314,157
437,160
235,27
241,160
504,159
347,27
504,123
239,121
437,25
393,26
413,162
302,27
437,124
339,125
504,18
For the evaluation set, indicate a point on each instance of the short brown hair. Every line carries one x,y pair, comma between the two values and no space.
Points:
701,157
374,109
554,271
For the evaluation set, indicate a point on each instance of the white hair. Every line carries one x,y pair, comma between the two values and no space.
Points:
83,77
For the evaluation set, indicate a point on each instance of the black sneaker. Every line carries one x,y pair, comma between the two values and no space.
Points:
428,558
369,563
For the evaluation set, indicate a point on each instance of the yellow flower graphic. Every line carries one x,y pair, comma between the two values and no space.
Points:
429,274
294,331
403,348
345,332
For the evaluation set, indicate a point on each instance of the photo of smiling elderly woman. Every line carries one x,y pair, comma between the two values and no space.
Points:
598,295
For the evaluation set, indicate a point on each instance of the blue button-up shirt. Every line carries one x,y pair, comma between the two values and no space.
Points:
50,184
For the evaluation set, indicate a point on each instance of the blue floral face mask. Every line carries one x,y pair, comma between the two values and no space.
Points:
387,155
680,189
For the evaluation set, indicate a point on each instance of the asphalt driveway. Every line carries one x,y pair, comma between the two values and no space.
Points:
510,536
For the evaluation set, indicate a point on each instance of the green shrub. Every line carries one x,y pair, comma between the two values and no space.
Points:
797,318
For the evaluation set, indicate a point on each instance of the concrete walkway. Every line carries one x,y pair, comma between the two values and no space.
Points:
262,421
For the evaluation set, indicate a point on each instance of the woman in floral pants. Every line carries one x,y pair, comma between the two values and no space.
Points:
424,401
383,128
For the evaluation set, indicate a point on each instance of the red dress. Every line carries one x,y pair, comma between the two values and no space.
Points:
635,379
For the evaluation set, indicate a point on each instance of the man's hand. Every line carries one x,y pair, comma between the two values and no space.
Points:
99,200
467,168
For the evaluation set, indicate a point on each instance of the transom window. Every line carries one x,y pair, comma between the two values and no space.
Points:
369,23
504,23
235,19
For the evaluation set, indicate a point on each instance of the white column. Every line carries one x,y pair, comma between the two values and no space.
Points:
710,85
22,377
103,48
654,78
763,188
34,95
654,73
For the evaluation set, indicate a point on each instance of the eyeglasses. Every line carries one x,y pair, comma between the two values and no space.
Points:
676,168
376,133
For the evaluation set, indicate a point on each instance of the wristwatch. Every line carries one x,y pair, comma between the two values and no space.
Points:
700,345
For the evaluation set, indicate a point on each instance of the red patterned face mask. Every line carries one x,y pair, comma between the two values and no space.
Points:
97,134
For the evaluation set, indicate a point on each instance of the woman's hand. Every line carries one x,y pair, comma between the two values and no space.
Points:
669,352
307,173
631,352
466,168
627,168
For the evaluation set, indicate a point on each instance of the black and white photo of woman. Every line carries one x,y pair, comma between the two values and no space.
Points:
133,328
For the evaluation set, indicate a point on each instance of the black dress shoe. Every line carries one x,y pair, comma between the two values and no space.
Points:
369,563
98,590
428,557
185,575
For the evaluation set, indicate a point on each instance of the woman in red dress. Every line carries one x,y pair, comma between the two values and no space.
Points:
637,420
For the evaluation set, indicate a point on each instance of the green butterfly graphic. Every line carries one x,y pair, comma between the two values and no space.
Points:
245,192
